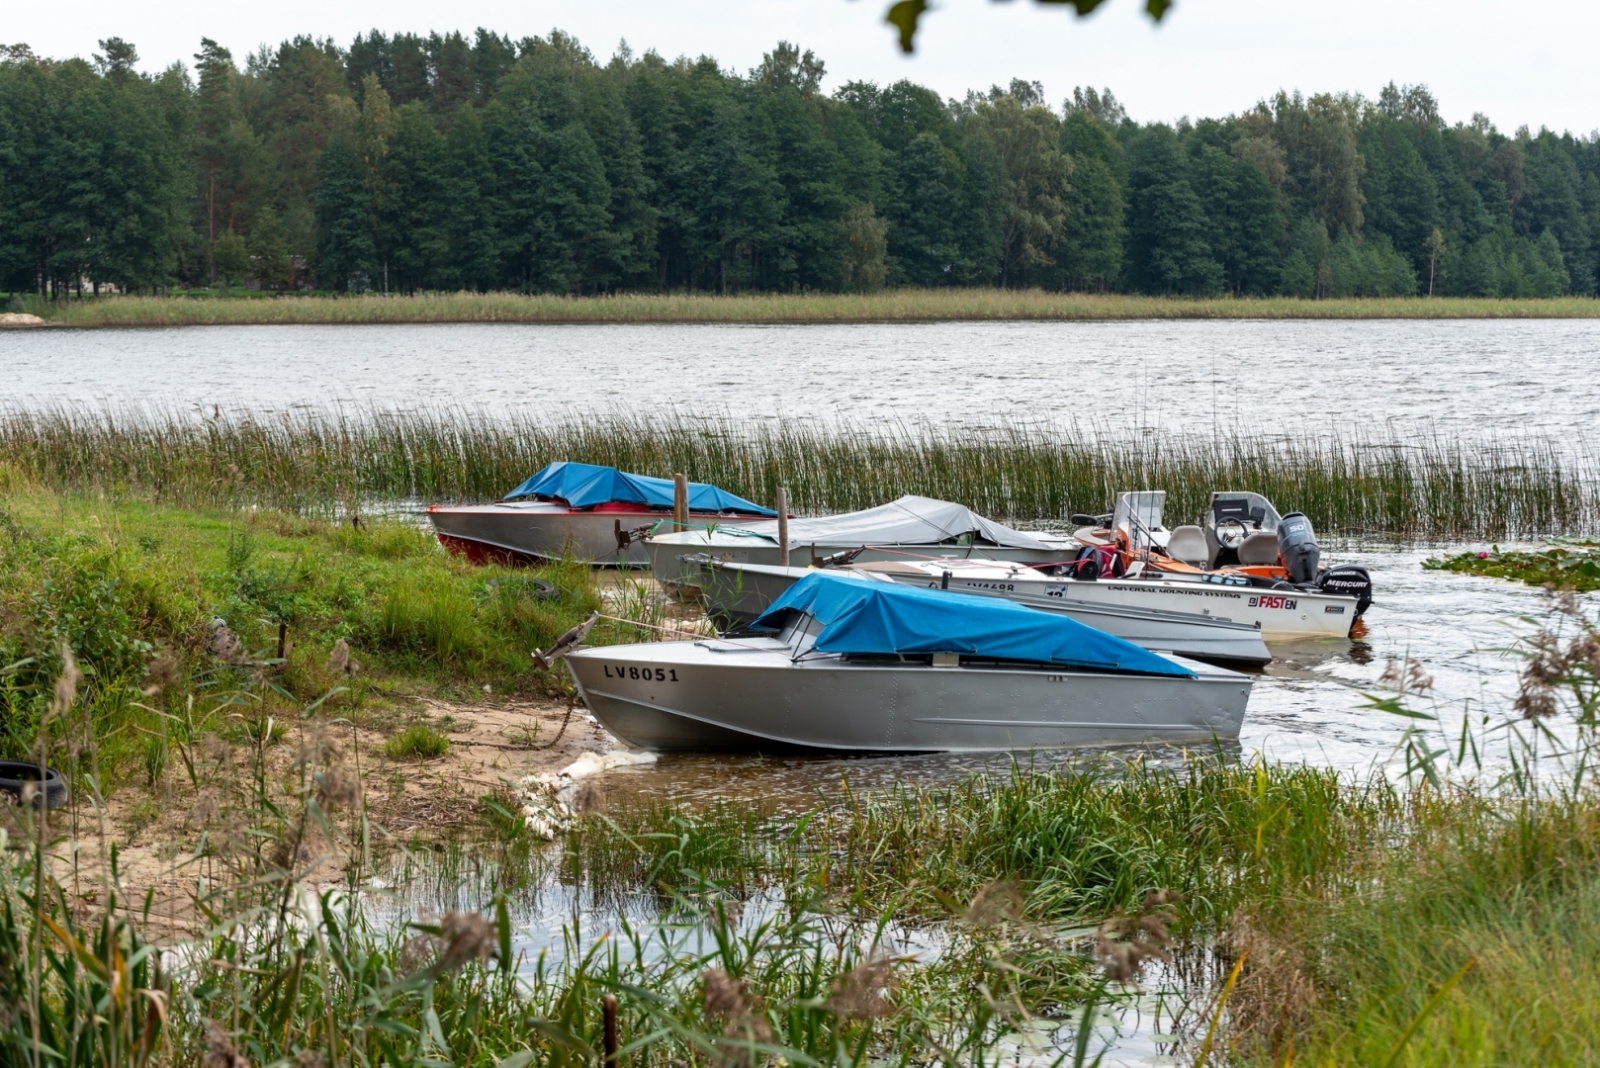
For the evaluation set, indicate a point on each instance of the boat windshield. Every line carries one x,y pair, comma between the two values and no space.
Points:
799,633
1249,509
1138,516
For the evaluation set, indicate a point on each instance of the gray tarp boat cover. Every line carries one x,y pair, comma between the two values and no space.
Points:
910,520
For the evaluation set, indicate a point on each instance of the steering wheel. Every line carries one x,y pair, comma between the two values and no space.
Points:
1231,532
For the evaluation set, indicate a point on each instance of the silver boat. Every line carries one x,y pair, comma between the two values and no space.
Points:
582,512
737,593
911,525
863,666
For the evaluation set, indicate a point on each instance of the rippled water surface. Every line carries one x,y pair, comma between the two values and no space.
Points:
1453,378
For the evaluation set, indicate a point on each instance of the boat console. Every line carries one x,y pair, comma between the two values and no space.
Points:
1231,521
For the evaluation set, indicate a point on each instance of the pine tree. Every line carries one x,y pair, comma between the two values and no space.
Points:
1167,247
346,255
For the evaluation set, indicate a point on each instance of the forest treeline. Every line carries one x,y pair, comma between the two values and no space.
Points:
405,163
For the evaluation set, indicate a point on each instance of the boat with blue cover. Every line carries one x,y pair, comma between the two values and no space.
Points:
843,665
584,511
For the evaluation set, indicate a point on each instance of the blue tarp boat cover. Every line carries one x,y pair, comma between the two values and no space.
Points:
871,617
586,485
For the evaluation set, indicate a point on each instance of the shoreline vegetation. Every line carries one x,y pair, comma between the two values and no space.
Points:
1563,565
1449,921
205,308
340,463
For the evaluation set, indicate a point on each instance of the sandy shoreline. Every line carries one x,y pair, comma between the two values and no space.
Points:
176,841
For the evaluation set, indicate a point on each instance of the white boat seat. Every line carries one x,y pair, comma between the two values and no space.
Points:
1188,545
1259,549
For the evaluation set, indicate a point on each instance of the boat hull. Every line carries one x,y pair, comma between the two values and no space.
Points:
535,531
738,593
719,695
1281,615
667,555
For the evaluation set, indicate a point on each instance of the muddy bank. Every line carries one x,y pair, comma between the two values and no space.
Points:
192,833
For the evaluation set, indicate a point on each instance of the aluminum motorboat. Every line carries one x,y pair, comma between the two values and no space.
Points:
851,665
583,511
1246,559
935,529
737,593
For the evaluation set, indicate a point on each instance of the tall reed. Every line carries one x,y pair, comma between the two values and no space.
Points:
894,305
322,462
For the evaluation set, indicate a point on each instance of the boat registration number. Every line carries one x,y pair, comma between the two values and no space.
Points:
645,674
1272,602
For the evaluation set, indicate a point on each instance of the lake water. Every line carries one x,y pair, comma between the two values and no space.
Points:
1369,379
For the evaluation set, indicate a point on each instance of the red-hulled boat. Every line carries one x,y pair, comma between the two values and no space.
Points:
581,511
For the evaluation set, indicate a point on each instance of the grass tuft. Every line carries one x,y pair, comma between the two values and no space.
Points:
417,742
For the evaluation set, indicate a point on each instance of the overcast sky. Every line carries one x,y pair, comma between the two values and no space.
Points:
1525,62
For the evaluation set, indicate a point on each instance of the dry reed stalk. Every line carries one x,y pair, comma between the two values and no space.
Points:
894,305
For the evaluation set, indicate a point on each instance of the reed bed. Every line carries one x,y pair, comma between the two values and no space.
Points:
321,463
895,305
1079,843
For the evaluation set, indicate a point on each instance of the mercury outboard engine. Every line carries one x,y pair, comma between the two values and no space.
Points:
1348,580
1297,548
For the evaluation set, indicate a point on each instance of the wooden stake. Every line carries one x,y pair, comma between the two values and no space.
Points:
782,504
608,1006
680,501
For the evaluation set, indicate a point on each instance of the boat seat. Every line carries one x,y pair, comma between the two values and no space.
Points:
1188,545
1259,549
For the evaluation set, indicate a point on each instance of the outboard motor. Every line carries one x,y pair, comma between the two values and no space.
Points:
1348,580
1297,548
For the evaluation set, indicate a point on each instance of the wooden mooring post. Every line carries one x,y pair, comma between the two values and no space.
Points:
782,505
680,501
608,1007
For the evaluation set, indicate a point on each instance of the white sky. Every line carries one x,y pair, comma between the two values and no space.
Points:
1530,61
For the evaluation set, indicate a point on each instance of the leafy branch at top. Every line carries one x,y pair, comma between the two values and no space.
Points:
905,15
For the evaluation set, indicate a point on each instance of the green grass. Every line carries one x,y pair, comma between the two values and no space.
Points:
1352,902
897,305
315,464
1568,566
417,742
371,616
1081,843
1506,890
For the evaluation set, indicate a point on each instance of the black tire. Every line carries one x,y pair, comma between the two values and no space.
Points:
531,588
15,775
